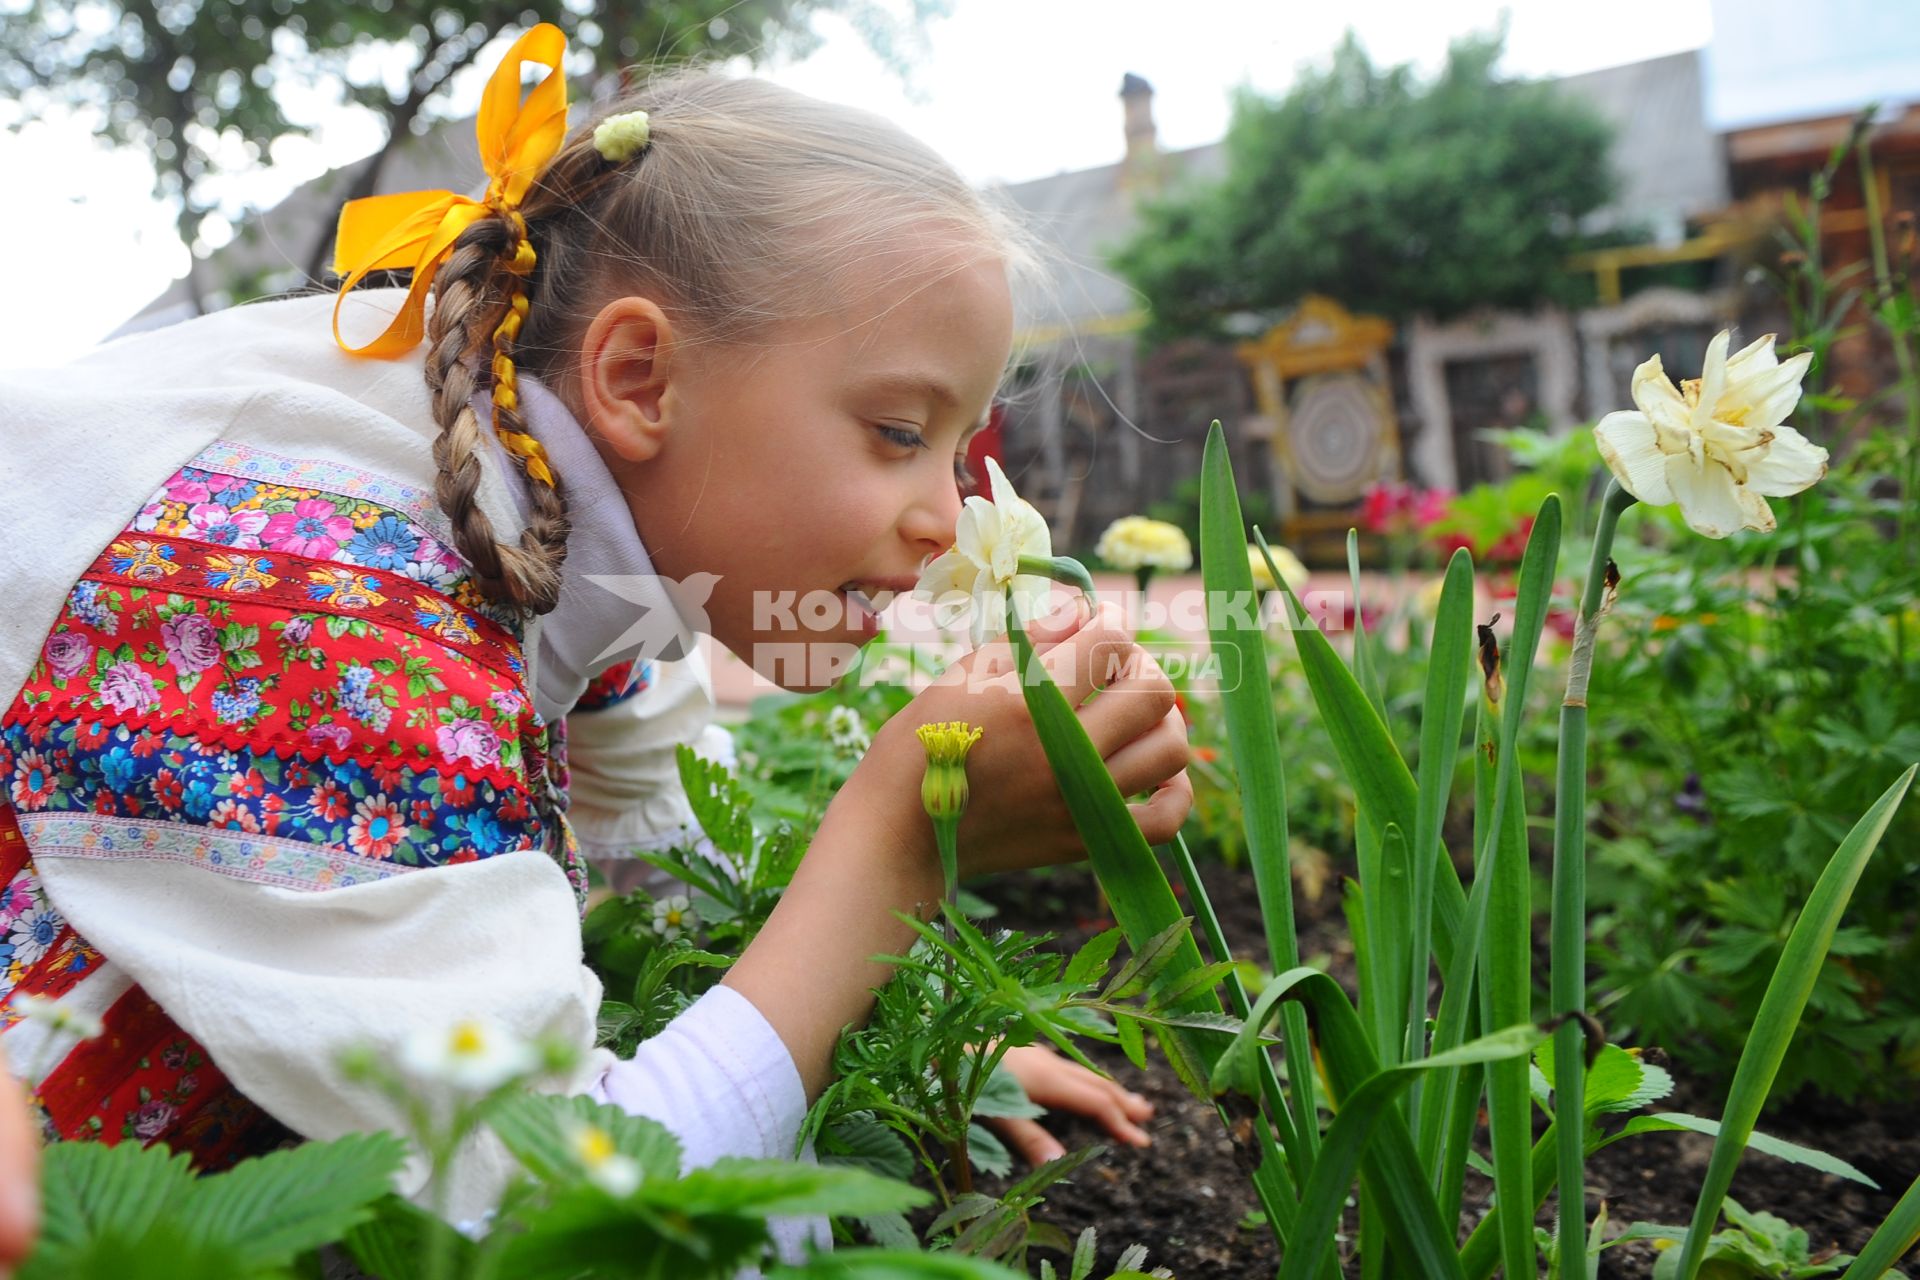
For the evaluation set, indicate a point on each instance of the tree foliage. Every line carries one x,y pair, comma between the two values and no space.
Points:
1391,195
202,85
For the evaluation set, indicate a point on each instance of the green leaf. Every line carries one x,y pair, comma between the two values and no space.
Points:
537,1129
1149,960
1780,1009
1001,1097
987,1153
1419,1235
1890,1240
89,1190
862,1141
1780,1148
1137,889
1090,962
1239,643
785,1188
394,1243
721,805
277,1206
1620,1080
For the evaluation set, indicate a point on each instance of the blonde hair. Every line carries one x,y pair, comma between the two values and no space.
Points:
751,206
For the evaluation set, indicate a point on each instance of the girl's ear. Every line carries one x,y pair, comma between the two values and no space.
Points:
624,365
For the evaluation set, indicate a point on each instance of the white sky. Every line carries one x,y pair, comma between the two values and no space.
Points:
1011,89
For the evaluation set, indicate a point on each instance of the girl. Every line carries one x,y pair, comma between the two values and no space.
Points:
297,630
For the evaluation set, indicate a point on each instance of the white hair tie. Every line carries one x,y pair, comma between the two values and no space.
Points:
620,138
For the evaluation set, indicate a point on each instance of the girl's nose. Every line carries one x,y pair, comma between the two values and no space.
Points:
928,523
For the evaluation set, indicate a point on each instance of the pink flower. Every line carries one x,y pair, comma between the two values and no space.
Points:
473,740
337,736
192,644
216,523
68,653
312,528
187,487
125,687
151,1119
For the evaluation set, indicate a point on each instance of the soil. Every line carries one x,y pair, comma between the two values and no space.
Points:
1186,1197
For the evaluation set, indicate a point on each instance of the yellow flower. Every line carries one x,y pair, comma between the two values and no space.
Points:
620,138
943,789
1135,542
1284,560
1717,445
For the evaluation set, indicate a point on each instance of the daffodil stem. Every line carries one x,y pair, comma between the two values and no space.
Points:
1060,569
1568,982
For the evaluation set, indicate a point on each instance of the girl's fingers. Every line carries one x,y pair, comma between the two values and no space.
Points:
1114,1109
1162,815
1139,699
1029,1141
1153,757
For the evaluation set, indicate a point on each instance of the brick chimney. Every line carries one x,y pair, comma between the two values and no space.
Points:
1141,166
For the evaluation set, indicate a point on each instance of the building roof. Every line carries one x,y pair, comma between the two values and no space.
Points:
1081,216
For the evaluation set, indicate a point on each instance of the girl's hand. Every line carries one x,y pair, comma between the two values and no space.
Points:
1016,816
1059,1085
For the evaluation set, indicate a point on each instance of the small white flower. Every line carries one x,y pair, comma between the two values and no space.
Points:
982,569
620,138
673,916
1717,446
1133,543
57,1017
605,1167
473,1056
1284,560
847,731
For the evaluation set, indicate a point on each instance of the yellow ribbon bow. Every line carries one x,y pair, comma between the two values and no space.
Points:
417,228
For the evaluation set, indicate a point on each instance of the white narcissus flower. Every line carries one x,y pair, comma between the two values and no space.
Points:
1133,543
472,1056
673,916
1718,445
605,1167
982,570
1284,560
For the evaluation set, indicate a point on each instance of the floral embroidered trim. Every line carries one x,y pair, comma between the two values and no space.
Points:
244,461
263,859
245,514
389,812
300,582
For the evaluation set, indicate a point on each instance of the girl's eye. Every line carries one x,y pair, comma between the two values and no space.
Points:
901,436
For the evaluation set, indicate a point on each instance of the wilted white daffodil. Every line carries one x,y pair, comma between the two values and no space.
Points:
1718,446
1134,543
605,1167
56,1017
1284,560
983,569
673,916
473,1056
